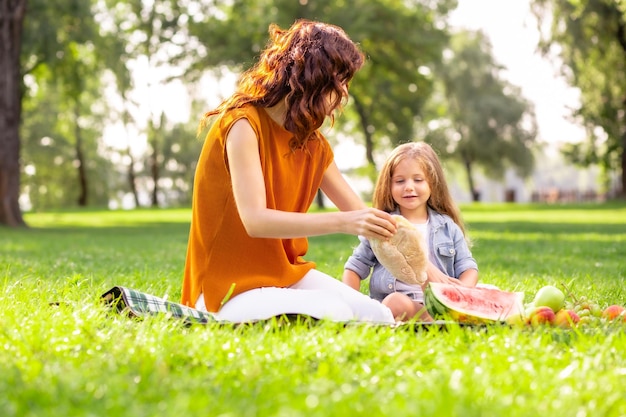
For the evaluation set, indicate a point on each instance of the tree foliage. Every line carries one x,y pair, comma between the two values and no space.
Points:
62,146
74,53
154,32
402,40
483,120
589,39
58,83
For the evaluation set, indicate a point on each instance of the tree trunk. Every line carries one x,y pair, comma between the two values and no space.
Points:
622,192
621,38
153,164
11,20
132,178
82,175
80,156
369,144
470,180
154,171
320,199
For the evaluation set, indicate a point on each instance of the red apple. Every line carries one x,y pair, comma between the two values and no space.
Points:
613,312
541,315
566,318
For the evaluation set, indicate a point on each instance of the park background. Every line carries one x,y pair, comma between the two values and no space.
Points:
94,134
523,99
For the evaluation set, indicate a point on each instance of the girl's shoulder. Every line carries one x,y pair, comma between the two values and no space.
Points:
436,218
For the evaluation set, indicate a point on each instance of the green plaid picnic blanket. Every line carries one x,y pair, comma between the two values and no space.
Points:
139,304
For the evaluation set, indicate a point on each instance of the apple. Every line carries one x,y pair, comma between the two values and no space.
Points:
613,312
566,318
550,296
541,315
517,319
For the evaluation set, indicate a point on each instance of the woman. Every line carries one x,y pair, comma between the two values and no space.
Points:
258,173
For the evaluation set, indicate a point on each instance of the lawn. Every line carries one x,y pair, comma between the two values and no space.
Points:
62,353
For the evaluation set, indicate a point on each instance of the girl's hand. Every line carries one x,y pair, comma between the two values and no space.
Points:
435,275
454,281
467,278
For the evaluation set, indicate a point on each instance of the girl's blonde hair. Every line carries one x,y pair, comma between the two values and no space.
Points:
440,199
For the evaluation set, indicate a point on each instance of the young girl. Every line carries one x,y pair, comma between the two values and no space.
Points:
412,184
260,168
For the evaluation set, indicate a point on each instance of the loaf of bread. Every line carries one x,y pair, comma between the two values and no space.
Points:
403,254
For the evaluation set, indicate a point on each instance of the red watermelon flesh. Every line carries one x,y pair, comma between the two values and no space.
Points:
472,304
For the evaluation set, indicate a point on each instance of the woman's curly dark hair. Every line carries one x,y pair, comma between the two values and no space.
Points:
307,65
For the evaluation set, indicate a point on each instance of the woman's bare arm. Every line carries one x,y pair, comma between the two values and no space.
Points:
259,221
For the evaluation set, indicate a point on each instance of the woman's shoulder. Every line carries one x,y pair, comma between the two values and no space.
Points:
248,111
258,119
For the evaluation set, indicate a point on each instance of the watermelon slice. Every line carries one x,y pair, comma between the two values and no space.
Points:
473,305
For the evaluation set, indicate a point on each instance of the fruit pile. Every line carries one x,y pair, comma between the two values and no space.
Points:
549,307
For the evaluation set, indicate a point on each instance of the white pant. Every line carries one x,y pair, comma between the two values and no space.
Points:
317,295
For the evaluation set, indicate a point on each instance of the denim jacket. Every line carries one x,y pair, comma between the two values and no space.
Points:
448,251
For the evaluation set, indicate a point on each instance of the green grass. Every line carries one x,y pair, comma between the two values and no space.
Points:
63,354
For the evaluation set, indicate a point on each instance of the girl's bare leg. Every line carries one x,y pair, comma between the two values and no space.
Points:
404,308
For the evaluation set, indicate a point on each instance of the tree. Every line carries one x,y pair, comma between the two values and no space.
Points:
61,134
62,66
154,32
40,35
402,40
78,78
181,148
483,121
12,14
589,39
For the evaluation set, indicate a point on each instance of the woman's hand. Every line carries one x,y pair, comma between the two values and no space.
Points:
359,219
370,223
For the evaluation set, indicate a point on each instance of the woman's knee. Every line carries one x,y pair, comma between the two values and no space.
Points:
264,303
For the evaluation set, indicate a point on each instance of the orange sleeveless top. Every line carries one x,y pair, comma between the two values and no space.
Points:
221,256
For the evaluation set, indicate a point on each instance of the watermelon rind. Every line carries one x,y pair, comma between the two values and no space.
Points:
472,305
434,307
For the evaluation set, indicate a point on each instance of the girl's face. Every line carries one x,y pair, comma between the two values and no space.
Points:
409,187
